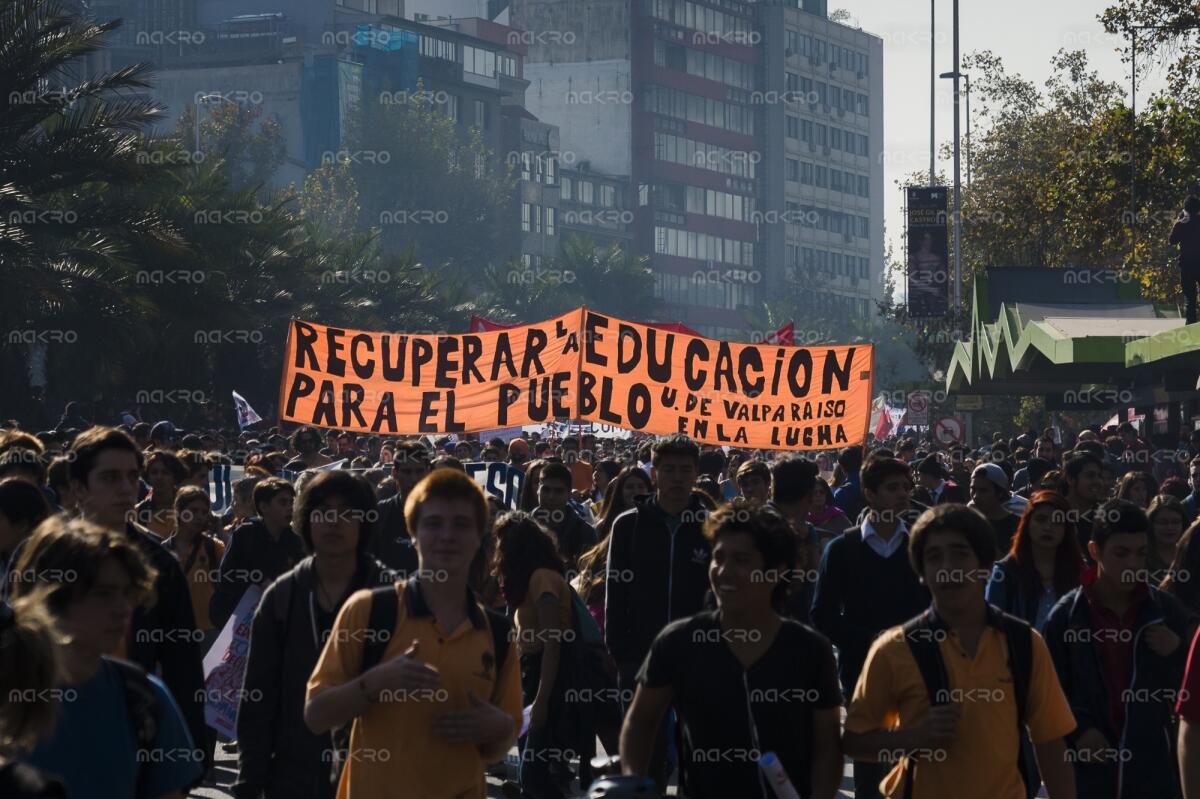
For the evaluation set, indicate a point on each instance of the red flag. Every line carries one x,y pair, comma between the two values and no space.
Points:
784,336
481,325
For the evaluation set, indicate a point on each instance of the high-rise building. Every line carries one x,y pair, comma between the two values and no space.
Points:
701,103
822,106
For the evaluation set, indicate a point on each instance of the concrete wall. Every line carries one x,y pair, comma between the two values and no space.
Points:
567,31
275,87
591,103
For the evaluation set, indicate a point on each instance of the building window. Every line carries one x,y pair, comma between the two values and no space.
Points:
835,138
822,136
608,196
551,170
525,164
478,61
585,191
537,219
806,173
506,65
822,178
525,217
793,127
566,188
793,169
433,47
806,130
450,107
481,120
550,220
861,105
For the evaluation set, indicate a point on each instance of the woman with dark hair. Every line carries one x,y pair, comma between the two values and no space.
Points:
23,506
529,486
532,578
619,497
278,756
1138,487
1045,561
1168,519
1183,578
830,520
622,492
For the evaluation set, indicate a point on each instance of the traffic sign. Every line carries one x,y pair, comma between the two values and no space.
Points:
948,430
918,409
968,402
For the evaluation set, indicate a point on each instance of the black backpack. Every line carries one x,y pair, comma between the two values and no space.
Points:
141,705
922,634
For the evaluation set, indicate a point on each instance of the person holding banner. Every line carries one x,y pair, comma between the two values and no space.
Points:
439,725
121,734
278,756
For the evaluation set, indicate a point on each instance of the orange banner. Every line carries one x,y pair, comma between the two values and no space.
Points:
759,396
399,384
581,365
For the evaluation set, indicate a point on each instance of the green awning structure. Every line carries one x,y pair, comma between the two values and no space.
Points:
1058,332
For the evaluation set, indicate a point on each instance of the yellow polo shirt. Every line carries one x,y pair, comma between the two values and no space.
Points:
393,751
982,759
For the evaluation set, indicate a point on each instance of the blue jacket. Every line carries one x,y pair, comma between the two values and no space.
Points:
1004,590
1143,762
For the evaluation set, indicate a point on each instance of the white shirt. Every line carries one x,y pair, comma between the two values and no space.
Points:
884,549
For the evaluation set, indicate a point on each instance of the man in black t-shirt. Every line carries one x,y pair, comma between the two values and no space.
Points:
743,681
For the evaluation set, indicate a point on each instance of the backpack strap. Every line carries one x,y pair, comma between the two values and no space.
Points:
141,705
381,624
501,629
922,634
1019,636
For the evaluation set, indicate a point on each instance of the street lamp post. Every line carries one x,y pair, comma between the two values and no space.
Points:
932,92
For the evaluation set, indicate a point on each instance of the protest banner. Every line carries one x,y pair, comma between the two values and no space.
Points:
719,392
225,666
502,480
393,383
584,366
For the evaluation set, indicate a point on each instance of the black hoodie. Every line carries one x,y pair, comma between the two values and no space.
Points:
277,752
655,575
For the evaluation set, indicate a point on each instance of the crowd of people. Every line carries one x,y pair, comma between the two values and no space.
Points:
954,621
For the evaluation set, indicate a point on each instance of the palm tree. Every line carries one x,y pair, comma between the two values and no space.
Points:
65,140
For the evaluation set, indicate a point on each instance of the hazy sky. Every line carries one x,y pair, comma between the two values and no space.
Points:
1025,34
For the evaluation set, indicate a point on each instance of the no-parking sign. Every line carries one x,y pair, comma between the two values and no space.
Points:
948,430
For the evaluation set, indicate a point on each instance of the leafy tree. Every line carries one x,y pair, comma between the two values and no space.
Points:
427,186
250,146
1172,34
